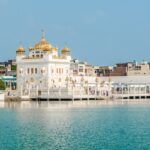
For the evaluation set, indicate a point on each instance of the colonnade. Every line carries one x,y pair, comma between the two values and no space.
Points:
133,91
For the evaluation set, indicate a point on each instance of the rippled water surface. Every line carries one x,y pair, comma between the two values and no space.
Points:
74,126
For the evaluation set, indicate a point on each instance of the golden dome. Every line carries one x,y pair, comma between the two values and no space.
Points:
47,48
65,50
42,44
20,49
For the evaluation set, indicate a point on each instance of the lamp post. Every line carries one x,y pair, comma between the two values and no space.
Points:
73,84
87,87
48,90
37,88
72,89
21,90
102,87
82,86
96,87
29,88
60,96
67,79
67,82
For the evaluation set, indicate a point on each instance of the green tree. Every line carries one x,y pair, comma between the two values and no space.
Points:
13,67
2,85
2,67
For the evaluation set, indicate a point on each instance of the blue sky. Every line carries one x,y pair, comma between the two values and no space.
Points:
102,32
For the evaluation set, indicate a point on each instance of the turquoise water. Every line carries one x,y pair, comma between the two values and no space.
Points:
40,126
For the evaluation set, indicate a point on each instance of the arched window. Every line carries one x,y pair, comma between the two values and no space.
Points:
59,70
36,70
52,71
43,70
21,71
28,70
32,70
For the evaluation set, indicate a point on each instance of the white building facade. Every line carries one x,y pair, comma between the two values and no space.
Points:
43,73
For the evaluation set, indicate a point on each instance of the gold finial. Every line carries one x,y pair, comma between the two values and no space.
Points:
21,48
20,43
57,47
43,34
65,50
66,44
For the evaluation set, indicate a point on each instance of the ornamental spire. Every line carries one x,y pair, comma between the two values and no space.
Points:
66,44
43,34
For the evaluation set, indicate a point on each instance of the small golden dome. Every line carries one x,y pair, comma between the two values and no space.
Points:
54,49
65,50
20,49
31,48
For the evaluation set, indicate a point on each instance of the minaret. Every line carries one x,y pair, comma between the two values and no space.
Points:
20,52
66,53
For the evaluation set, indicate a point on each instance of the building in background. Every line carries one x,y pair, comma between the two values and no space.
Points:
124,69
11,68
8,68
138,69
103,70
81,68
131,69
119,70
2,68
